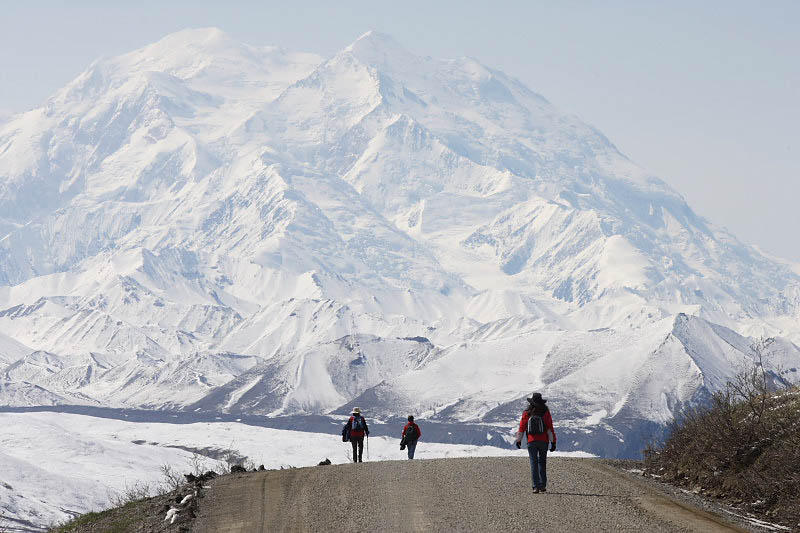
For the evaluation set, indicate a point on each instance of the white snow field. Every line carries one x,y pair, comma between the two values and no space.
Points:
78,463
206,225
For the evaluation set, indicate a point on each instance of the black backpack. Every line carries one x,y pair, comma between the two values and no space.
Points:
535,424
411,434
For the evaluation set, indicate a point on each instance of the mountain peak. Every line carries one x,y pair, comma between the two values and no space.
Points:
378,49
195,36
376,37
185,45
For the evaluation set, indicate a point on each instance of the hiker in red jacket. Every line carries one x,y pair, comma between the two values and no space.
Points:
538,424
357,427
410,436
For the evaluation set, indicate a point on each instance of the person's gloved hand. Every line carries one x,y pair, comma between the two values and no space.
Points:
519,444
553,446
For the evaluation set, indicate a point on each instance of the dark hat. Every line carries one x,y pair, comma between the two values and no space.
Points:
536,397
410,418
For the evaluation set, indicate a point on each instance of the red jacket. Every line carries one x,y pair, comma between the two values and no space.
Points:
357,432
405,428
549,434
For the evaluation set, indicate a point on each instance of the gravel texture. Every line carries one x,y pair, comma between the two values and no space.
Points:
464,494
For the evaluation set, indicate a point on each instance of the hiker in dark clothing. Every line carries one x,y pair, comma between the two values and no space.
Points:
410,436
357,428
538,424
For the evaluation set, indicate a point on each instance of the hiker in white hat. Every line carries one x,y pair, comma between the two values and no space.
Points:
356,428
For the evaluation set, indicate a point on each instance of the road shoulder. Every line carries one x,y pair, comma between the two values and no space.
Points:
632,471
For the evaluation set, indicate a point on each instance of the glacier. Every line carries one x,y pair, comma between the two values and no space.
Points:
205,225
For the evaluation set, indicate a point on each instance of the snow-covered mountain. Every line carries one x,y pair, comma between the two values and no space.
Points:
210,225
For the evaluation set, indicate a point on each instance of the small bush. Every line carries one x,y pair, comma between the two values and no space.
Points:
131,494
743,447
171,479
232,458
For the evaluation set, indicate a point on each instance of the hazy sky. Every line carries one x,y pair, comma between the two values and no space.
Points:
704,94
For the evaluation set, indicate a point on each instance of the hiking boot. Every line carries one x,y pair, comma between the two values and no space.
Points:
543,489
536,491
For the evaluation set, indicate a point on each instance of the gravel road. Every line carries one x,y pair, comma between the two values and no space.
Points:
464,494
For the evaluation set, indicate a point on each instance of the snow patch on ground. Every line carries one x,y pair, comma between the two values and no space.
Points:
760,523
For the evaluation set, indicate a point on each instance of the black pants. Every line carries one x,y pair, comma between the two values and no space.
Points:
358,448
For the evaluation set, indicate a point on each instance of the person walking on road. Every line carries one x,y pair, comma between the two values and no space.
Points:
410,436
537,423
357,428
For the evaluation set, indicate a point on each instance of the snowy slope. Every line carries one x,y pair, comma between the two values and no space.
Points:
205,224
593,377
11,350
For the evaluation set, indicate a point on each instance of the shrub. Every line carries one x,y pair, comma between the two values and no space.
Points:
744,446
131,494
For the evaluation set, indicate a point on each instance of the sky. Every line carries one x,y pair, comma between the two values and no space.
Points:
701,94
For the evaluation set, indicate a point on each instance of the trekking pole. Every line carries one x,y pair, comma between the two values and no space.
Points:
367,447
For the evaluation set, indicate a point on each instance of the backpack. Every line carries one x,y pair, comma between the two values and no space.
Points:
345,433
535,425
411,434
358,423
